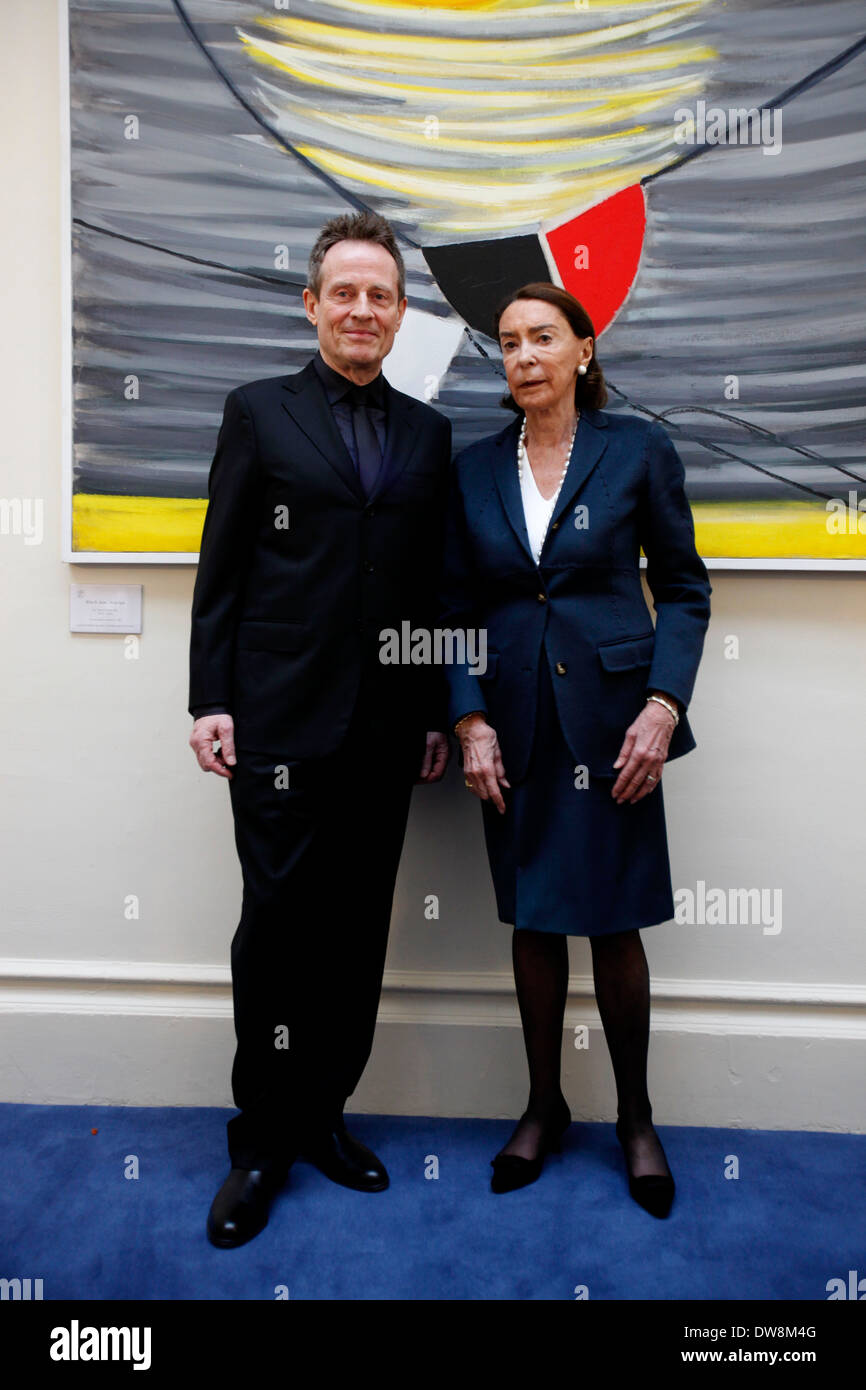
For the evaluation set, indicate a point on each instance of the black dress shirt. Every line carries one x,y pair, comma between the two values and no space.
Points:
337,388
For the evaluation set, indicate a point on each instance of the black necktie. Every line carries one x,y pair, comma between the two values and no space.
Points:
366,438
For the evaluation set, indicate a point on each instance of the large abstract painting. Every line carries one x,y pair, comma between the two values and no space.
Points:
693,172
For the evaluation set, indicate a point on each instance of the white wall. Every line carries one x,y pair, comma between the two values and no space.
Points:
101,798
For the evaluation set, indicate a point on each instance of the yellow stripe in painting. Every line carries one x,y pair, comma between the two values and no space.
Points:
771,530
328,68
596,150
480,10
531,199
338,45
470,59
586,109
156,524
494,100
636,137
453,49
491,101
724,530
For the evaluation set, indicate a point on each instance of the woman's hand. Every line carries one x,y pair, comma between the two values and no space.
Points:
643,753
483,770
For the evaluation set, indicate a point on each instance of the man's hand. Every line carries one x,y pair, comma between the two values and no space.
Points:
207,730
483,770
436,756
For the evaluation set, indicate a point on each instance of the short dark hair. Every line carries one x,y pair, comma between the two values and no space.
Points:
589,390
357,226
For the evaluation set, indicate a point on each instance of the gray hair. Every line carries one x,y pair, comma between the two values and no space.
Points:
358,226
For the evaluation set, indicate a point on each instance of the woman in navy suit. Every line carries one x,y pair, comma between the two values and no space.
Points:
566,726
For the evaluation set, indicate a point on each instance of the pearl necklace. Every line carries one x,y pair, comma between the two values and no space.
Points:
522,459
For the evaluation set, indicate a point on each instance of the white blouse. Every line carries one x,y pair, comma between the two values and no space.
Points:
537,510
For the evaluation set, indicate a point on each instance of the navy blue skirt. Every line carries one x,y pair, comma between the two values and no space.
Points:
571,860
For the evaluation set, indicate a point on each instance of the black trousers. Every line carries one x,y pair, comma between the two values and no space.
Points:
319,841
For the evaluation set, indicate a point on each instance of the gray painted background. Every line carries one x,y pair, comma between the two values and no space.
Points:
752,265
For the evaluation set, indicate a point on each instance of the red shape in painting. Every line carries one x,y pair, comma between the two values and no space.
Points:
598,252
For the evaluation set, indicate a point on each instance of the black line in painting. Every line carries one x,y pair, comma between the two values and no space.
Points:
296,281
810,80
260,120
726,453
764,434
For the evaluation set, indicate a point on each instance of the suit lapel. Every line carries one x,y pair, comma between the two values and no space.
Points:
401,439
306,402
589,445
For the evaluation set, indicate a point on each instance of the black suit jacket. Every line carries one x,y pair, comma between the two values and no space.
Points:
300,574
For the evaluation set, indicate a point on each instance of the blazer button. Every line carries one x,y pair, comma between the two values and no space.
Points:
555,526
369,511
368,567
542,598
561,668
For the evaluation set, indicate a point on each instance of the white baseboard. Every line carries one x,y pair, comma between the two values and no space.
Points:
774,1055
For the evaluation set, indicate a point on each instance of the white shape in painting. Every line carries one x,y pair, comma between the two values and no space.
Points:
423,349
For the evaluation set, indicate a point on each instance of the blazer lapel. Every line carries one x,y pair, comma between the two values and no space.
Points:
505,473
589,445
306,402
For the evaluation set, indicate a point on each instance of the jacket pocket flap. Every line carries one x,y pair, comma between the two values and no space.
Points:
270,636
628,653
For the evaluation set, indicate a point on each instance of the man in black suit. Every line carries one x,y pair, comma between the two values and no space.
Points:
326,502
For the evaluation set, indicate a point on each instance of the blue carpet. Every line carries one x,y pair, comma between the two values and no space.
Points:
791,1221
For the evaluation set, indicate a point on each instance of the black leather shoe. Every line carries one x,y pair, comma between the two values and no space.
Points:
654,1191
510,1171
240,1208
347,1161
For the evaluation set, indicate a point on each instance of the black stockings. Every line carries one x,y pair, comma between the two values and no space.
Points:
622,993
621,978
541,976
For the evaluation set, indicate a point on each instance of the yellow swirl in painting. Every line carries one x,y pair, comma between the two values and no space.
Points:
471,117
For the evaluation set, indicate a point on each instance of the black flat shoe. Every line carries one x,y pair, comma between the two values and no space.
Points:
510,1171
347,1161
240,1208
654,1191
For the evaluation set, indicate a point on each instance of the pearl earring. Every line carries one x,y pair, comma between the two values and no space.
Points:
582,369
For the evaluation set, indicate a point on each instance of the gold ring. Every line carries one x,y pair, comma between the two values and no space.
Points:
466,784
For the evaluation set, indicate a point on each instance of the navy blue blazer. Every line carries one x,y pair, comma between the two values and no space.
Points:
582,608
